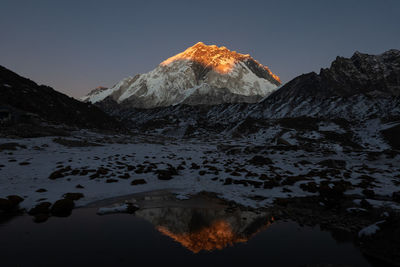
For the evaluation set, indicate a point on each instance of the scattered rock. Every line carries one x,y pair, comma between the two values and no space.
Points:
124,176
368,193
194,166
41,190
228,181
260,161
311,187
41,217
6,205
365,204
15,200
138,182
74,143
282,201
281,141
111,180
271,183
167,174
396,196
11,146
291,180
333,163
41,208
73,196
59,173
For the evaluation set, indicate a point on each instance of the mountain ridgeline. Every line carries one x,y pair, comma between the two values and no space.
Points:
200,75
23,100
353,89
212,90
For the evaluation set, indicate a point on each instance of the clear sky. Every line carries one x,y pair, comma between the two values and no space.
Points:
75,46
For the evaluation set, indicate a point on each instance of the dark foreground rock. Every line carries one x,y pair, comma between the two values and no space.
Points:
10,204
62,208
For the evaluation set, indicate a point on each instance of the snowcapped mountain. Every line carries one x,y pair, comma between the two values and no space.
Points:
356,89
202,74
93,92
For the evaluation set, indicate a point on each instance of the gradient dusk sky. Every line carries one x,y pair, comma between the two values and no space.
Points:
75,46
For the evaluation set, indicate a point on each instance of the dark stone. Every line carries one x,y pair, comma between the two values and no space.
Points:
271,183
291,180
260,161
334,192
75,172
59,173
62,208
391,135
111,180
15,200
396,196
10,146
311,187
41,217
365,204
228,181
333,163
73,196
194,166
41,208
41,190
138,182
79,186
368,193
167,174
282,201
124,176
6,205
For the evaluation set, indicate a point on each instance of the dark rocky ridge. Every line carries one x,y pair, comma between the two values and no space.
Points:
360,74
21,95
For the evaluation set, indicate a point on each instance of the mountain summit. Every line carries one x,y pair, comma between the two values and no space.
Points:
200,75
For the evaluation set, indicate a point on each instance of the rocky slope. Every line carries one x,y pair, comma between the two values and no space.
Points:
202,74
24,100
357,89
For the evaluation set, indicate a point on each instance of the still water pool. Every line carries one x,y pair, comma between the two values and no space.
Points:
170,236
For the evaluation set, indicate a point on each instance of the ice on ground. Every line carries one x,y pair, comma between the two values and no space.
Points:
370,230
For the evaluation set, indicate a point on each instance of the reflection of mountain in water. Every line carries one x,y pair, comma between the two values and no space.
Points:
207,229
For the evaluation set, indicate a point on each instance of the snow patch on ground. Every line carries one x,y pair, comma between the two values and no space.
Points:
370,230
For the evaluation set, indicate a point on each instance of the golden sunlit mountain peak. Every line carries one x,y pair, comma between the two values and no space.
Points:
219,59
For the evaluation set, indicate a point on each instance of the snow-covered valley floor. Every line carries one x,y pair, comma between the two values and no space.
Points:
46,168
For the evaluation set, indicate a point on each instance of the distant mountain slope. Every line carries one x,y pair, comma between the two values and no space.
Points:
358,87
25,95
201,75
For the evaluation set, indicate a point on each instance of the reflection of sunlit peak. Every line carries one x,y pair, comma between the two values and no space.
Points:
219,59
217,236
